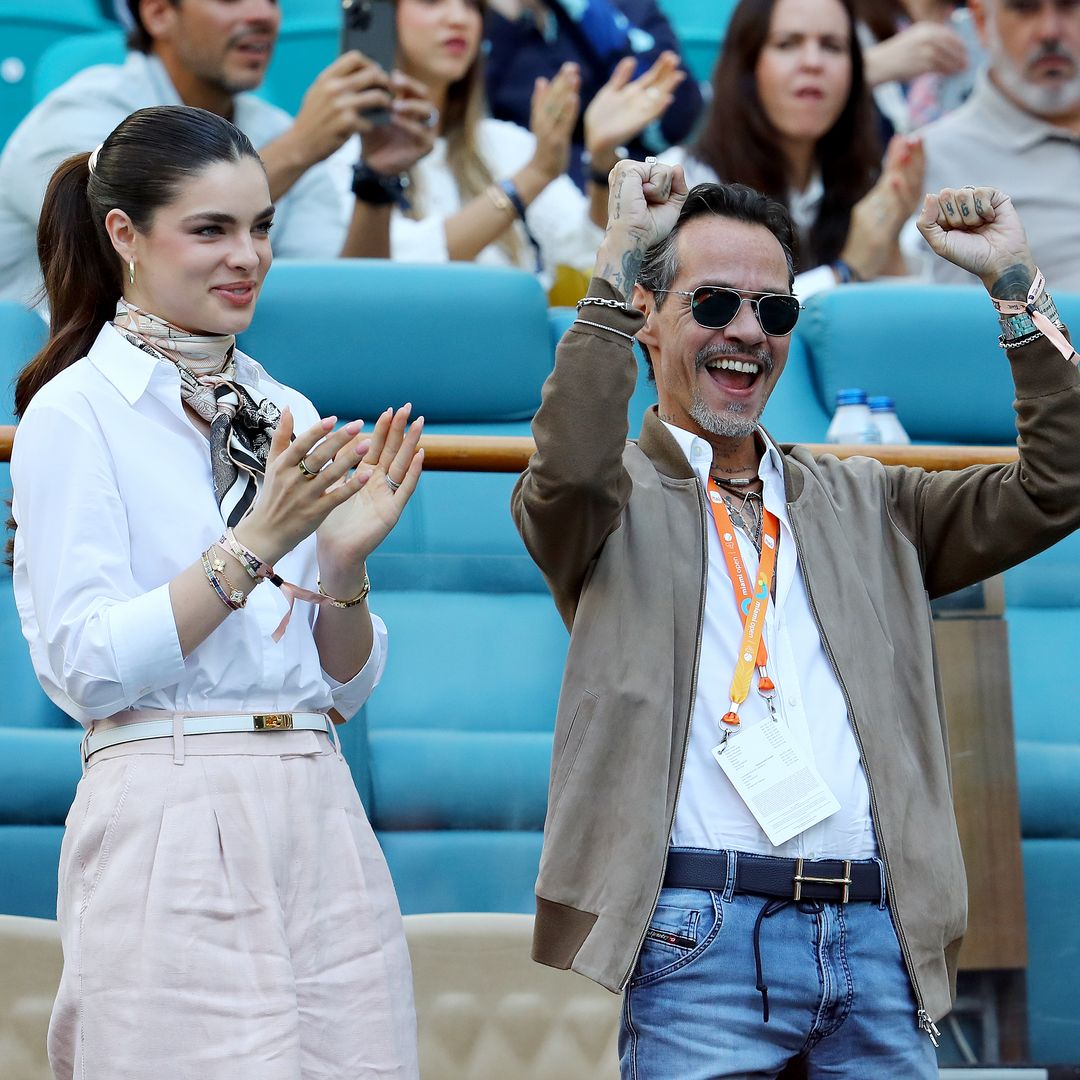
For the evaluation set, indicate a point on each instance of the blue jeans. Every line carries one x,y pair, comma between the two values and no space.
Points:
839,995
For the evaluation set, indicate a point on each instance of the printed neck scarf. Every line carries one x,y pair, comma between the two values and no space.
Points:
240,427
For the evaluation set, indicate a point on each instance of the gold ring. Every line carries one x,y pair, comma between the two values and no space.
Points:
302,466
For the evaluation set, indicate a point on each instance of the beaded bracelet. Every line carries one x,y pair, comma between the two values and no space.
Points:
234,599
359,598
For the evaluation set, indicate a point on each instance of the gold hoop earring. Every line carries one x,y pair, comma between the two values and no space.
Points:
131,270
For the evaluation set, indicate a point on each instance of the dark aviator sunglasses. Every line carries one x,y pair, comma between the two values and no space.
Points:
714,306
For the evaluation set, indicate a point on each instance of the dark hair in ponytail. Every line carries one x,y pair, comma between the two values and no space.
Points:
139,169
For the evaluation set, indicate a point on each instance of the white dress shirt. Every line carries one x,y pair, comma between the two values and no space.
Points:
113,497
311,219
809,701
558,217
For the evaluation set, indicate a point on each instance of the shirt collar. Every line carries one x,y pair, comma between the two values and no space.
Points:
699,454
1014,128
134,372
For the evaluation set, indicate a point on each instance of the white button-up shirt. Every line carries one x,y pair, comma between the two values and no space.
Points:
113,497
809,701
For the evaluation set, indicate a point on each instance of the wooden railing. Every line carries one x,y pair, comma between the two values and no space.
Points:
510,453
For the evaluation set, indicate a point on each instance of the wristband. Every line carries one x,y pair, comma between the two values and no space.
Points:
378,189
510,190
1037,314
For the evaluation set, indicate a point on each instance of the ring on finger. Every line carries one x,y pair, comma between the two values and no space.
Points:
393,485
650,161
652,93
307,473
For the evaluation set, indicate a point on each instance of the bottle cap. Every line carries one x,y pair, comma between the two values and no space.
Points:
881,404
850,396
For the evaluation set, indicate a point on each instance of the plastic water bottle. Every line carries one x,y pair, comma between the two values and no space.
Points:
852,422
890,430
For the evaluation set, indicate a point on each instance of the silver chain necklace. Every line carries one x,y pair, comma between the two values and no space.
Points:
749,517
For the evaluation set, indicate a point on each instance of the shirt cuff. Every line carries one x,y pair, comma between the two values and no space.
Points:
349,697
143,635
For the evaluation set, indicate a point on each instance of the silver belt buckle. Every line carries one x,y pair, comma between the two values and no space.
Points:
801,878
276,721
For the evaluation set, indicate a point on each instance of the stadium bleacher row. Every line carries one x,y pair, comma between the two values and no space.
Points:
451,754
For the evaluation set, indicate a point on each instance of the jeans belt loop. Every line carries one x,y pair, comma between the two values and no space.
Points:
732,871
178,738
884,903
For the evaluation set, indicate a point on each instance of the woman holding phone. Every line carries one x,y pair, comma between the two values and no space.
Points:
490,191
224,906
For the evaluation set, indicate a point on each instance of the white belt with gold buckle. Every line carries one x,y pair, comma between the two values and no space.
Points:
117,731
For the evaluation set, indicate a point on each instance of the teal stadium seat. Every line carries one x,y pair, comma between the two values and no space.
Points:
39,745
27,30
68,57
700,25
451,754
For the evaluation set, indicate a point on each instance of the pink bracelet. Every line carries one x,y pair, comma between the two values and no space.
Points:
259,568
1048,329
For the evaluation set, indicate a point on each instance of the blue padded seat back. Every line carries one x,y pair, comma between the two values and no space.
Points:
1045,674
24,702
469,662
27,29
794,413
70,55
464,343
22,333
932,348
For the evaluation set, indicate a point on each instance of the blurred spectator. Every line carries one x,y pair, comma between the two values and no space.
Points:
208,53
531,39
916,47
1020,131
491,191
791,117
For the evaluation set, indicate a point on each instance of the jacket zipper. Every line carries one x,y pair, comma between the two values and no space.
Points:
689,717
923,1018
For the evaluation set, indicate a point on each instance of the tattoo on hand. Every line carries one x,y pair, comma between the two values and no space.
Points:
1013,284
978,206
965,209
631,266
949,208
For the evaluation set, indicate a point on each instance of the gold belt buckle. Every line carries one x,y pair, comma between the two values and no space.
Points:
275,721
800,878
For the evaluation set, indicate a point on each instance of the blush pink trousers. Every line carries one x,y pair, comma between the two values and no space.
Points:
228,915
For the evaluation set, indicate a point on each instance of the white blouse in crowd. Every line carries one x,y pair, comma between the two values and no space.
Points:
802,205
558,217
113,498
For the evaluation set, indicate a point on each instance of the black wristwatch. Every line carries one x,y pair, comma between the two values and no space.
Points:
378,189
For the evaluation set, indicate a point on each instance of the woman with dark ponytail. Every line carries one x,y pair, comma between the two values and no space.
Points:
224,906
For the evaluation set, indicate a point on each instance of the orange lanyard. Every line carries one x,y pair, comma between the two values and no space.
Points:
752,604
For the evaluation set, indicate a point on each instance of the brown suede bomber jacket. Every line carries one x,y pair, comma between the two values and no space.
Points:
619,530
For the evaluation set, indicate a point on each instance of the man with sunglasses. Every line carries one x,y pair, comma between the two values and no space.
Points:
750,828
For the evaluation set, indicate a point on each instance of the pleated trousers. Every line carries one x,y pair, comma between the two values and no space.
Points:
228,915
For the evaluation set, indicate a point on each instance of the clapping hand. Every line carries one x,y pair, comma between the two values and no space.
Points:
979,230
622,108
555,107
389,472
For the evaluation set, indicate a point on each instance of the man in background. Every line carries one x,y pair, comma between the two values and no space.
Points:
1019,132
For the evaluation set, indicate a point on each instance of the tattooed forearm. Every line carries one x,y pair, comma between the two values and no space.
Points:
620,269
1013,283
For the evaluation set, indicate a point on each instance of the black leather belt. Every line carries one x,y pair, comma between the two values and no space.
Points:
832,880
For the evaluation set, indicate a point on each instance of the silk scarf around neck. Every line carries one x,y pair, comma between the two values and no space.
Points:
240,426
